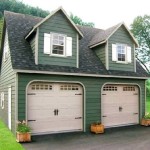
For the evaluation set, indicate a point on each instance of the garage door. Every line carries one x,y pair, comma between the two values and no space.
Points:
120,105
54,107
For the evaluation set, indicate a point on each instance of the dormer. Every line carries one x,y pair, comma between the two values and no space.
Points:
115,47
55,40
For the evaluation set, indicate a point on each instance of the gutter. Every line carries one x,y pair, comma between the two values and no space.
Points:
77,74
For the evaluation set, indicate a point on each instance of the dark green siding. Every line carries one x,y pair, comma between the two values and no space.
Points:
92,93
100,52
8,78
58,23
123,37
32,43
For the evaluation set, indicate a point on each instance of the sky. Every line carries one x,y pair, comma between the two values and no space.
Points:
103,13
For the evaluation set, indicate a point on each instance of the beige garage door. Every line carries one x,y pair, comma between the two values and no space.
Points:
54,107
120,105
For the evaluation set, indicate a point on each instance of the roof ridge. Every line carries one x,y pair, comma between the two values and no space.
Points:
16,13
114,26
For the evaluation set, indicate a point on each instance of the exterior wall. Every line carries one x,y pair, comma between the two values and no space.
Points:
32,44
100,52
8,78
58,24
123,37
92,93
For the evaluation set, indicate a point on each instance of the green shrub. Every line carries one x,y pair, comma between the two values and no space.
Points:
23,127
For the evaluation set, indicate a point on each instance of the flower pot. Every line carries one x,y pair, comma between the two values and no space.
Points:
23,137
145,122
97,128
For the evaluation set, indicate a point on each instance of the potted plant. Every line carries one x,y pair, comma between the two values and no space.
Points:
146,120
97,127
23,132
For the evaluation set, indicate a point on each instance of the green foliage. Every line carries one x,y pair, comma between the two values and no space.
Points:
19,7
148,104
1,27
79,21
141,30
148,87
147,116
23,127
7,139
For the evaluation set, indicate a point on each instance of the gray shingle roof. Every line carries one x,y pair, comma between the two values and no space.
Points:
102,35
19,25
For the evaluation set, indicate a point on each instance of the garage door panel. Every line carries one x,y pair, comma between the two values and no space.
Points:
120,105
56,108
56,124
38,113
121,119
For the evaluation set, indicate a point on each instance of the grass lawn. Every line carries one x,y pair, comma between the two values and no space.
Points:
7,139
148,104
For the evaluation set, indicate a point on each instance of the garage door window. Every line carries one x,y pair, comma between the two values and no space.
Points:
110,88
41,87
129,88
69,87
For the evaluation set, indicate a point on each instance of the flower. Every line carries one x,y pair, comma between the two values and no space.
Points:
23,127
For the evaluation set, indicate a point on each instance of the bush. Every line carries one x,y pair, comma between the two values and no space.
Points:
23,127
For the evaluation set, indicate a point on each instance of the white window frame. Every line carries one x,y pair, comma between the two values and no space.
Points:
128,53
2,100
47,48
125,46
51,46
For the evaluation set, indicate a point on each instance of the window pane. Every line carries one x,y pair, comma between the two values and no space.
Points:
121,52
61,38
58,49
58,42
60,52
61,42
55,42
55,37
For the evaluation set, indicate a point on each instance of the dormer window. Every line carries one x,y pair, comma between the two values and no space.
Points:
56,44
121,53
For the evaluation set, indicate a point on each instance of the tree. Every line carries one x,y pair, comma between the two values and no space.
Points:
141,30
20,7
79,21
1,27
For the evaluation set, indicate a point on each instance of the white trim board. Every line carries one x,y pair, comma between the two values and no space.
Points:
77,74
49,16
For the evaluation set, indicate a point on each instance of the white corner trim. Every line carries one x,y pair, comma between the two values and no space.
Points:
119,25
102,42
126,29
49,16
145,98
77,51
77,74
16,101
36,46
134,58
107,56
